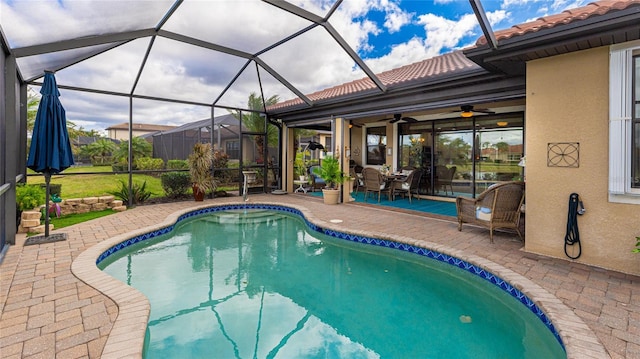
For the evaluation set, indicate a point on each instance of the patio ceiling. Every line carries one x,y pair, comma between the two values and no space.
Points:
190,53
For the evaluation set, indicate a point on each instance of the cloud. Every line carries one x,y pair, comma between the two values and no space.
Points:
312,62
395,17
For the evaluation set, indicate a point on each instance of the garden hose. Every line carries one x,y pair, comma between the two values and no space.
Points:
572,237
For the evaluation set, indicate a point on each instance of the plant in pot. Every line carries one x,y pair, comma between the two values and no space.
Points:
332,175
200,161
300,167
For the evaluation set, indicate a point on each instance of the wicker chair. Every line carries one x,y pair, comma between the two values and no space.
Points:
374,182
497,207
444,178
407,186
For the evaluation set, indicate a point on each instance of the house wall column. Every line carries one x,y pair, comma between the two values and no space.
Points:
568,102
288,158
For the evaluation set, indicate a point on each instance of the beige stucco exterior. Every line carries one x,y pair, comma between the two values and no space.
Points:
568,101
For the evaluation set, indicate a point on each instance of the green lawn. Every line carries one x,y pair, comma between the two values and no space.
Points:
78,186
93,185
71,219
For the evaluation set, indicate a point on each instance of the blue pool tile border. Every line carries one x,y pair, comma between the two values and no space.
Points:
445,258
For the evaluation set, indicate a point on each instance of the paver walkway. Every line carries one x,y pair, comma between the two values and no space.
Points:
47,312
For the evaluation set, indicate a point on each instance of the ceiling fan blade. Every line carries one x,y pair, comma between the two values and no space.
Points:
409,119
396,117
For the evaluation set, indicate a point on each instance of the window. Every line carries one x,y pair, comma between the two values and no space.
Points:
376,145
233,149
635,124
624,123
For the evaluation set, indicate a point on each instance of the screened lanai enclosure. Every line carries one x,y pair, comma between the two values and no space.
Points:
241,75
238,141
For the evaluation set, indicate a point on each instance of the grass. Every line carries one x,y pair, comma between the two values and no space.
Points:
94,185
71,219
80,186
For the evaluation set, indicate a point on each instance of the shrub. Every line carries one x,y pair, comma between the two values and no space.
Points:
149,164
120,167
29,197
177,165
54,188
139,193
104,161
221,161
175,184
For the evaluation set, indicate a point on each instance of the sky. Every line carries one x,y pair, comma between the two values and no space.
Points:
386,34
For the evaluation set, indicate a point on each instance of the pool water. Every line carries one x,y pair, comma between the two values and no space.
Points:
260,284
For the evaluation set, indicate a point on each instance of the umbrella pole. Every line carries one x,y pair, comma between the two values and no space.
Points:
47,180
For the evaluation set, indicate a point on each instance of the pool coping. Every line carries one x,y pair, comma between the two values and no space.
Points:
127,335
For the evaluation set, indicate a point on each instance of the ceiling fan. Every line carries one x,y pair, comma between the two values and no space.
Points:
398,117
469,111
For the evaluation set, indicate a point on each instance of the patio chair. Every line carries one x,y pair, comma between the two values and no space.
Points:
408,186
497,207
359,179
444,178
316,181
375,182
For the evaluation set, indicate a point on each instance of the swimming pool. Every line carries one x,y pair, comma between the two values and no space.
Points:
335,312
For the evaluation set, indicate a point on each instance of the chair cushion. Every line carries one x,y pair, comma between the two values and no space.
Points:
483,213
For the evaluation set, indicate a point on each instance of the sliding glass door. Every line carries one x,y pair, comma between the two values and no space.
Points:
462,157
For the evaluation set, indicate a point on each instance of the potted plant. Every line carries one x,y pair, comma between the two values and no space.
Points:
300,167
332,175
200,161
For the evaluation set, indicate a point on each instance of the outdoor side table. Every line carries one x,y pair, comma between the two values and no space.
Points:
300,186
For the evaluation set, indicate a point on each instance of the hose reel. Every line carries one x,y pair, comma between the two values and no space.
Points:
572,236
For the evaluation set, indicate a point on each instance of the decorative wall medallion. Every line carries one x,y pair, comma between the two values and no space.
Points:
563,154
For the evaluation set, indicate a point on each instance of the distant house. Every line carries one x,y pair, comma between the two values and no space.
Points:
121,131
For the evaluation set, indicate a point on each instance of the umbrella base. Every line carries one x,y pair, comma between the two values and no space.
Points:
46,239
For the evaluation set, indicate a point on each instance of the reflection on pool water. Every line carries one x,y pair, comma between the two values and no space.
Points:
261,284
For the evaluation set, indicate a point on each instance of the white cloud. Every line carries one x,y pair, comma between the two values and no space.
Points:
180,71
395,17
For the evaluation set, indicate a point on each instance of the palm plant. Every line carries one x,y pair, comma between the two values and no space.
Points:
330,172
200,162
254,122
100,150
139,148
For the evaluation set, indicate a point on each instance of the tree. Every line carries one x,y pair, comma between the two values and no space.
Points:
99,151
139,148
33,101
255,122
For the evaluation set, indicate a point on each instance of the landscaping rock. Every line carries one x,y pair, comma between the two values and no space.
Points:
83,208
90,200
26,215
115,203
120,208
40,228
106,199
29,223
99,206
73,202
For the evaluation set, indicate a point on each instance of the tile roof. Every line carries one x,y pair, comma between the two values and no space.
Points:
140,127
566,17
456,61
429,68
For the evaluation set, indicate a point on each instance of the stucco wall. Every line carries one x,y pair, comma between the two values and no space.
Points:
567,101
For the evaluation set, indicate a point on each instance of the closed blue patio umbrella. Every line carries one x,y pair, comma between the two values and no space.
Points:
50,150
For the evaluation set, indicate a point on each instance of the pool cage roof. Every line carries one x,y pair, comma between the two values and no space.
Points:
193,56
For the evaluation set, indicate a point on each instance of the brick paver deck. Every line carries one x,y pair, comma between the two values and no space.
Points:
48,312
